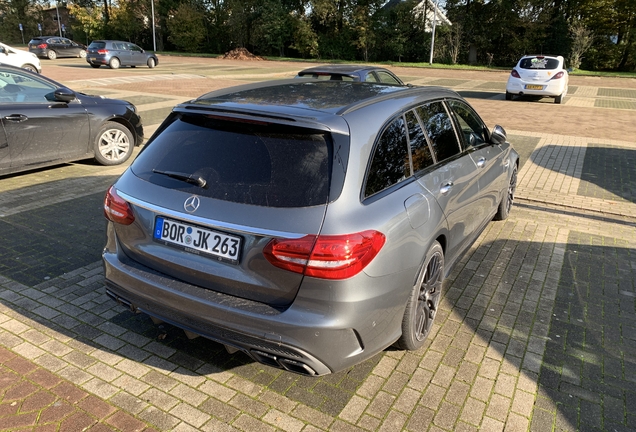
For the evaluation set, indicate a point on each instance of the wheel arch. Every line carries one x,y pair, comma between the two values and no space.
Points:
122,121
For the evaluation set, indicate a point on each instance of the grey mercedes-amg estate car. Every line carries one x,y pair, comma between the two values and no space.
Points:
308,224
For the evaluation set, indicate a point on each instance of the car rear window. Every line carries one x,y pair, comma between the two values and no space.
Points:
97,45
260,164
539,63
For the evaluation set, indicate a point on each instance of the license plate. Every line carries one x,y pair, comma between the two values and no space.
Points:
533,87
198,240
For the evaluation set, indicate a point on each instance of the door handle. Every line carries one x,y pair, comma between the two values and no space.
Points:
481,162
446,188
17,118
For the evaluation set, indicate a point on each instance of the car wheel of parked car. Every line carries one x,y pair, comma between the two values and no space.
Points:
422,305
95,65
114,63
508,96
506,202
151,63
114,144
82,53
558,99
30,68
52,55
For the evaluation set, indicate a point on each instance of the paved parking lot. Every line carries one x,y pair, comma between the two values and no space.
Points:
538,323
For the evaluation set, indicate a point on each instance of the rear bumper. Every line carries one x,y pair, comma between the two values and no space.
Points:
40,52
549,88
97,60
317,335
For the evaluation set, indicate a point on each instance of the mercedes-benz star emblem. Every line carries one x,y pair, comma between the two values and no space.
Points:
192,204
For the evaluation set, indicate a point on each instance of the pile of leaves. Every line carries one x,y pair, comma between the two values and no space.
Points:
241,54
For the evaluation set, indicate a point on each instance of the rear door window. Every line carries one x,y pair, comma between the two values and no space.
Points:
439,128
420,152
387,78
267,165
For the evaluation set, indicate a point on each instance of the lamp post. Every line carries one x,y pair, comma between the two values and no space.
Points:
59,26
430,61
152,10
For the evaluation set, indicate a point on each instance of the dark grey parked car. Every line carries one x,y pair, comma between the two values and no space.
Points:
119,53
309,224
361,73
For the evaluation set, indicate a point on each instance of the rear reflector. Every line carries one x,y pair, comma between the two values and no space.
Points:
42,46
326,256
102,51
559,75
515,74
116,209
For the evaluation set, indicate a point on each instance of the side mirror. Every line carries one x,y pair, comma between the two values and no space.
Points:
64,94
498,135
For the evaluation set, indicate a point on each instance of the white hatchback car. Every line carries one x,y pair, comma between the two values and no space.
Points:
538,75
19,58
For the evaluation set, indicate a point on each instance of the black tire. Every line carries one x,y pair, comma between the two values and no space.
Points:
558,99
508,96
506,202
94,65
423,302
114,144
30,67
114,63
52,55
151,63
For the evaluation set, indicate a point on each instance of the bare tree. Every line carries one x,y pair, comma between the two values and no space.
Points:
582,39
455,42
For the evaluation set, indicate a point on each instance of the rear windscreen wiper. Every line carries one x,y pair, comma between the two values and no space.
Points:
188,178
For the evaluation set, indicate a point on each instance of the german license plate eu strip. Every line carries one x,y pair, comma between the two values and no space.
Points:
198,240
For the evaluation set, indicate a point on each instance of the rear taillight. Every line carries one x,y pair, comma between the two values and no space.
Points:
116,209
559,75
102,51
515,74
326,256
42,46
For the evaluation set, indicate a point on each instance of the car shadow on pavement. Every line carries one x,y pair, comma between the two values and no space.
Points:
588,374
607,172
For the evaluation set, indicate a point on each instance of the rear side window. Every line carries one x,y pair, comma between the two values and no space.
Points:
539,63
266,165
439,128
390,164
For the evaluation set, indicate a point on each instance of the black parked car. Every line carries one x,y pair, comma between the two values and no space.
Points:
118,53
52,47
44,123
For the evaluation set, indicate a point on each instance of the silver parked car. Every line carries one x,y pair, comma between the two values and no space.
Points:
309,224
